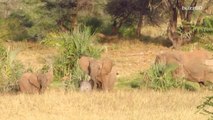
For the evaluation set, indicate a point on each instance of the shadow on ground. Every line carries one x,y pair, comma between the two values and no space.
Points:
160,40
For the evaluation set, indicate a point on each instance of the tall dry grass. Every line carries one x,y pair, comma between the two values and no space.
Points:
116,105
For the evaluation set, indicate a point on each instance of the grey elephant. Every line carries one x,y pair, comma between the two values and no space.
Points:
101,71
32,83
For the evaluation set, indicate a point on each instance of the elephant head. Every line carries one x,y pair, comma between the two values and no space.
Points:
44,79
100,71
35,83
28,83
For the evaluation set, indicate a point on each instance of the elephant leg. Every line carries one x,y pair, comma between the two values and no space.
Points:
99,85
33,88
105,86
42,90
95,86
43,86
201,83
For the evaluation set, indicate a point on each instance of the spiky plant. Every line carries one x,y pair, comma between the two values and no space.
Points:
75,45
10,71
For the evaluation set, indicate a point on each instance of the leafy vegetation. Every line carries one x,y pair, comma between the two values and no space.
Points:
159,77
76,44
10,70
127,31
132,11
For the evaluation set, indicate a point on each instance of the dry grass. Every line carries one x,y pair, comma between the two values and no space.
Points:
131,56
33,55
117,105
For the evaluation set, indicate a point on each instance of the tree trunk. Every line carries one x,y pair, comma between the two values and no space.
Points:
118,23
114,28
172,28
74,22
140,24
186,15
74,16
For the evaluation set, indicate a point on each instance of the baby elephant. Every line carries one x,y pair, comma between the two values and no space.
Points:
32,83
86,86
101,71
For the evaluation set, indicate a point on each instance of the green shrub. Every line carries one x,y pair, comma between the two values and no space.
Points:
207,107
32,22
159,77
106,29
206,43
74,46
205,33
15,30
127,31
206,27
97,24
53,39
10,71
94,23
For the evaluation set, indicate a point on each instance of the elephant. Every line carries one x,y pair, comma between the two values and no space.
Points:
86,86
32,83
101,71
194,66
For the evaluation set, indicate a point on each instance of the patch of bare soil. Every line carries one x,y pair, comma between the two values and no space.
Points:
132,56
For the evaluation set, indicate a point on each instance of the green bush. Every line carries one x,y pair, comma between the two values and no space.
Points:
94,23
15,30
32,22
206,27
159,77
106,29
127,31
10,70
53,39
97,24
74,46
206,107
207,43
205,33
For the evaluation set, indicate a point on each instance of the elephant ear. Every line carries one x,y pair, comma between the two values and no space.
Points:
107,65
84,63
34,81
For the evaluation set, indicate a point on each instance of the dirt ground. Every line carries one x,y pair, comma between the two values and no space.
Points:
132,56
